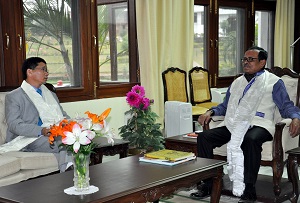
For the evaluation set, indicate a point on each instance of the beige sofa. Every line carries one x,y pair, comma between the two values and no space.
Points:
16,166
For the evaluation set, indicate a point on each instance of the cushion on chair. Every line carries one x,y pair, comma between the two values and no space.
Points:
198,110
207,105
200,85
9,165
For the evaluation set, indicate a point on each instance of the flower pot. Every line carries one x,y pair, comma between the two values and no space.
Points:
136,151
81,171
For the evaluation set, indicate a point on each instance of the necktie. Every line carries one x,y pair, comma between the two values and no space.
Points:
40,121
39,91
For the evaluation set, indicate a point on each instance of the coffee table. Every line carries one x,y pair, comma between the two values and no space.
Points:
122,180
181,143
104,148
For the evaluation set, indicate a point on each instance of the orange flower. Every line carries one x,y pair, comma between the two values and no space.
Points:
98,119
59,130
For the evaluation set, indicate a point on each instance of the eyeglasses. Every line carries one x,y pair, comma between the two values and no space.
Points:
44,69
249,59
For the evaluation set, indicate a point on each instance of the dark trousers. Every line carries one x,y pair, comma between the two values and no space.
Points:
251,147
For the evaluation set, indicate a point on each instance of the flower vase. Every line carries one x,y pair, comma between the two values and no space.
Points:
81,171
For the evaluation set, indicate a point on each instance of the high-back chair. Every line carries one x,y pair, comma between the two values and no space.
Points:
200,88
174,82
175,88
273,153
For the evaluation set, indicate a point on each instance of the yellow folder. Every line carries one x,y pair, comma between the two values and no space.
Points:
171,155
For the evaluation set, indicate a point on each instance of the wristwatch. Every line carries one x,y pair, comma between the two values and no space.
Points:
211,112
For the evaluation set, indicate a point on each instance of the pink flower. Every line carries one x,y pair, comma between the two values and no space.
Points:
133,99
139,90
145,103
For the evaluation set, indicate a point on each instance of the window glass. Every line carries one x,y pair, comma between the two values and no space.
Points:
49,33
113,42
199,57
264,33
231,40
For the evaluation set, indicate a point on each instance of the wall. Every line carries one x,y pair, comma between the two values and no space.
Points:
116,118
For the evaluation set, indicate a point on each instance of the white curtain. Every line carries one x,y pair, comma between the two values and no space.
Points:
165,39
284,32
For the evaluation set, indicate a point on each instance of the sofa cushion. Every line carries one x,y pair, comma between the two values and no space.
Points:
9,165
34,160
25,175
12,179
3,125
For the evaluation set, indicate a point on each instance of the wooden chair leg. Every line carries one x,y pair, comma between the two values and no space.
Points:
277,175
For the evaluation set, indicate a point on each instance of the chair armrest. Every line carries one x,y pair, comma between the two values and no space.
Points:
278,138
287,121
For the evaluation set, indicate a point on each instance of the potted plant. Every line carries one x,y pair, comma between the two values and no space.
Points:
141,130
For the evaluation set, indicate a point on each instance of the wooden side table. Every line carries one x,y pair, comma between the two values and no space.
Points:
293,160
104,148
181,143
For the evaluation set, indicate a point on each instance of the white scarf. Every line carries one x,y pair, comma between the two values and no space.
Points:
239,115
48,108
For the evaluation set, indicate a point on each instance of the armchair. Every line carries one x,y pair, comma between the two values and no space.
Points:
273,153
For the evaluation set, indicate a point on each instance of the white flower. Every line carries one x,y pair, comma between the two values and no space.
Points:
78,137
86,123
107,132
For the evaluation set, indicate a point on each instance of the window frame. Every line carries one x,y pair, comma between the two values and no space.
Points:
212,38
115,89
10,70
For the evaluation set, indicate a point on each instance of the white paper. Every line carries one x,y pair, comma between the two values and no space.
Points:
16,144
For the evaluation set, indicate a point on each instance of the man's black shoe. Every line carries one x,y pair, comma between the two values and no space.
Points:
203,192
248,197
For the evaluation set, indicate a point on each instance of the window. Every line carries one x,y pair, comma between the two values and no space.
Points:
264,33
113,42
231,40
50,32
116,56
67,34
200,47
224,30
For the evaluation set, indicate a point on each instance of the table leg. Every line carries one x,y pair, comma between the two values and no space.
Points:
217,187
124,152
293,176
